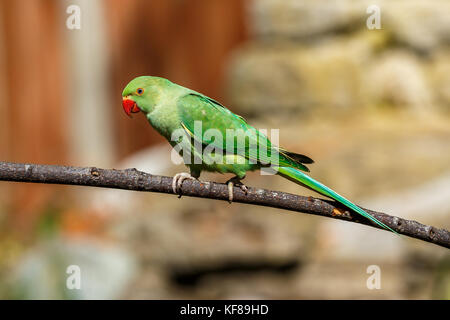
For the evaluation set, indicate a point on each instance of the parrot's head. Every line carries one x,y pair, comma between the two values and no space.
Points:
142,94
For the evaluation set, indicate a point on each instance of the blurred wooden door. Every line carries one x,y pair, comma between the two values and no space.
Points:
32,101
185,41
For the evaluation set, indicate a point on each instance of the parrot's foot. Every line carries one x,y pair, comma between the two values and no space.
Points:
177,182
235,182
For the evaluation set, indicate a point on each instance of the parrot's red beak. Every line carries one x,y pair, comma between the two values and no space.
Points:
129,106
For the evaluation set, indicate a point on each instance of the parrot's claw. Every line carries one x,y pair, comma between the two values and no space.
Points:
235,182
177,181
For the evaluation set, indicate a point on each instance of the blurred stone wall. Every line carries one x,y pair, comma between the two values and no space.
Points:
318,57
372,108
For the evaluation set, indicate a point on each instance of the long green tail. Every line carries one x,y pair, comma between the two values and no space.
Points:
298,176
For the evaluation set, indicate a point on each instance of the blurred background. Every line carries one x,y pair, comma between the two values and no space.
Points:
371,106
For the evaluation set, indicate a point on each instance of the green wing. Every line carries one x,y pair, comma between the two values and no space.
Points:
254,145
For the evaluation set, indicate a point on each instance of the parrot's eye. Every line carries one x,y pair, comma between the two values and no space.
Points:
140,91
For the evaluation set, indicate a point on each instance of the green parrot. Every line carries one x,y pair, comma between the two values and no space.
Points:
177,113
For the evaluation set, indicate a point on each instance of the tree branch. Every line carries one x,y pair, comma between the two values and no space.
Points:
132,179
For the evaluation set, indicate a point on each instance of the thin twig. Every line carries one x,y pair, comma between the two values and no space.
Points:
132,179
